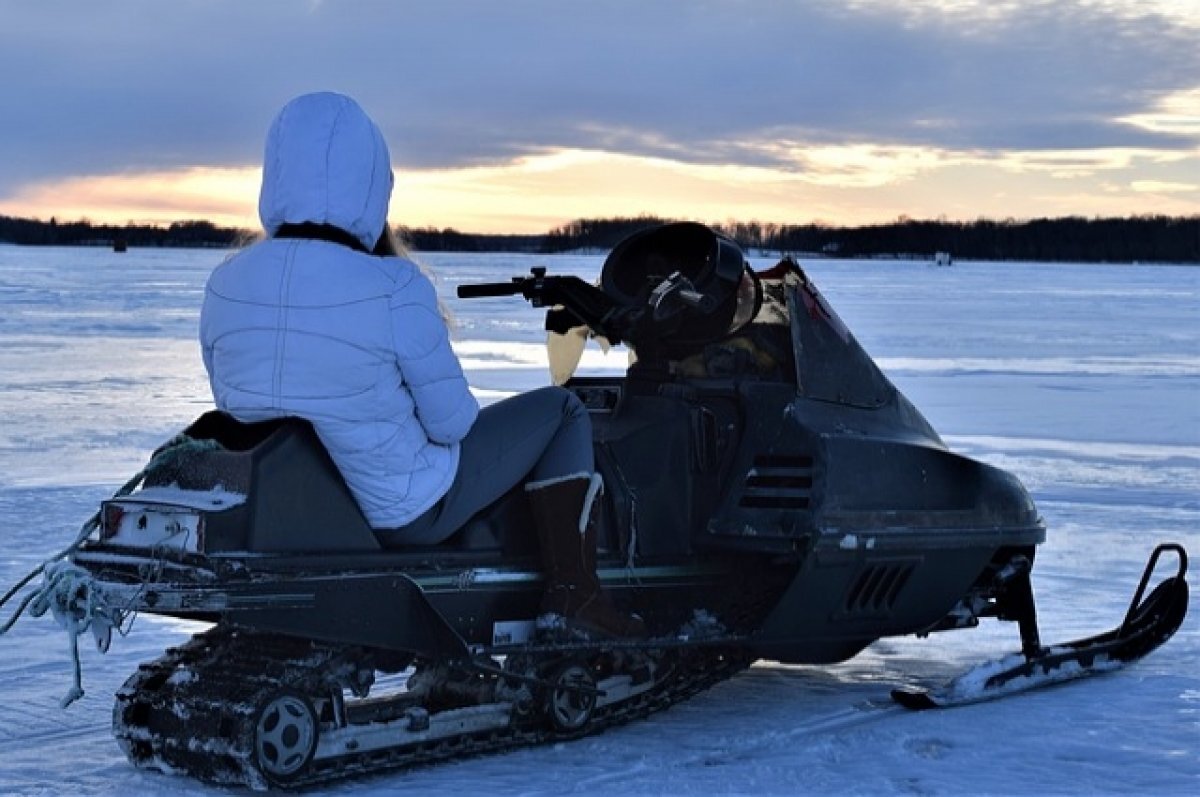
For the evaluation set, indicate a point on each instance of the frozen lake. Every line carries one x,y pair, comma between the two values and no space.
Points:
1084,380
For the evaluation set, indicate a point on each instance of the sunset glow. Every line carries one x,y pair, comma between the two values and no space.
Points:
224,196
839,184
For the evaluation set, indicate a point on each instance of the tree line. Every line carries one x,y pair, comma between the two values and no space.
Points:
1164,239
430,239
35,232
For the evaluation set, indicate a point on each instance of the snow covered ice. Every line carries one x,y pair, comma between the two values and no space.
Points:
1083,380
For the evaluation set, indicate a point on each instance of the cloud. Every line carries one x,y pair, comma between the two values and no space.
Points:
781,110
1177,113
1163,187
147,85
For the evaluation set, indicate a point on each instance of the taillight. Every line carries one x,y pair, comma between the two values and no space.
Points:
110,520
151,525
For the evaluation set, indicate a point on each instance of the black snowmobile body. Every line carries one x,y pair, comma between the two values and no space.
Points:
768,494
812,511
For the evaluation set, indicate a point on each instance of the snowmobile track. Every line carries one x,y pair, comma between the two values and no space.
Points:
195,709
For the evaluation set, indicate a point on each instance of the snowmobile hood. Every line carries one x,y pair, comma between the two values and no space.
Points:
326,163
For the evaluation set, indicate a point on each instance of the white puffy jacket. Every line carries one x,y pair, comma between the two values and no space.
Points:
352,342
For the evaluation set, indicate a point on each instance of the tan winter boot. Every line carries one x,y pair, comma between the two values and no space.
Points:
563,512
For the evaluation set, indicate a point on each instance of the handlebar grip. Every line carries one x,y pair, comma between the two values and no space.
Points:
489,289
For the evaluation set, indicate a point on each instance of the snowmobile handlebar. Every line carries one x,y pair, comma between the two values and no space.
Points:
573,302
486,289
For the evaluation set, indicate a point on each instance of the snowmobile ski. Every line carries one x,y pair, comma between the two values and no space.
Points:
1148,624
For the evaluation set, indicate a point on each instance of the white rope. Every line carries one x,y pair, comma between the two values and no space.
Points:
71,593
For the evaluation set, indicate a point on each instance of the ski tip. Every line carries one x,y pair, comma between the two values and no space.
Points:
914,699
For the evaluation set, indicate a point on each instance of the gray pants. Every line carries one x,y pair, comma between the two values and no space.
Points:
534,436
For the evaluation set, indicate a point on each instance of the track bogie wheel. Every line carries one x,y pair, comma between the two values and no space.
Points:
571,698
285,736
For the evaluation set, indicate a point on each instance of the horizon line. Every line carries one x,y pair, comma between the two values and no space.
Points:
899,220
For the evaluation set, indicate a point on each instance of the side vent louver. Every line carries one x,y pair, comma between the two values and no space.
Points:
778,482
877,587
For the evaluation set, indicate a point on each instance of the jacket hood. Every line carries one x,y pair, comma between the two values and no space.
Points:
326,163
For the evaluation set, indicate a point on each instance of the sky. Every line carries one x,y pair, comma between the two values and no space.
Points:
523,115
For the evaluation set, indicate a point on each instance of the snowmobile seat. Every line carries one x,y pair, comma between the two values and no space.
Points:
296,499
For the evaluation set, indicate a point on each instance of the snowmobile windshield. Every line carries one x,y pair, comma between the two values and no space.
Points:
830,364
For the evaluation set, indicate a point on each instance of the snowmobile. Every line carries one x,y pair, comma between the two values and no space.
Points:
769,495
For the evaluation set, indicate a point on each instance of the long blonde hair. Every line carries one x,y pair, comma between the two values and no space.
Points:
391,244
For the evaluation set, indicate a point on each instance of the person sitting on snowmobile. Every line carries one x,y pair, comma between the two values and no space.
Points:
327,320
